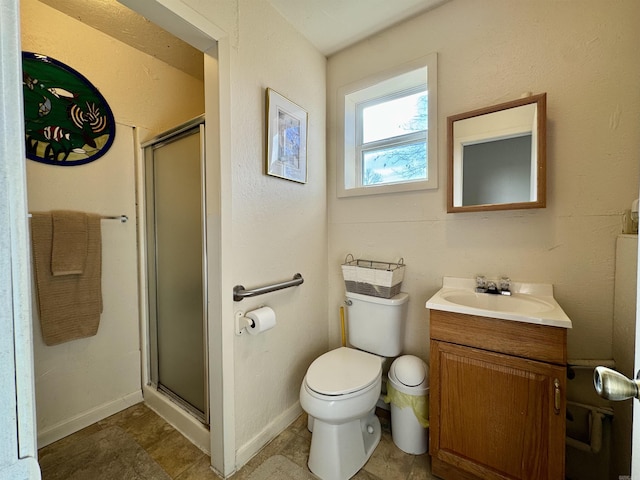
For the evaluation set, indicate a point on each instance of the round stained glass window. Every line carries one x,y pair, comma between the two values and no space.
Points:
67,121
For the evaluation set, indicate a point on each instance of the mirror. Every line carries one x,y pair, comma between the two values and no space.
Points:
497,157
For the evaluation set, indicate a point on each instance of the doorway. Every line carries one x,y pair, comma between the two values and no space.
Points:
177,265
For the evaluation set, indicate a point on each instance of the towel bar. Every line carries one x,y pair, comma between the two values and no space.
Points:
239,292
122,218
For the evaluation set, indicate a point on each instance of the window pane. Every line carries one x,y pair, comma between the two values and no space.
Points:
395,164
395,117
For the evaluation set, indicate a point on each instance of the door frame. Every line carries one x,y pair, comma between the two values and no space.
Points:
18,445
185,23
635,437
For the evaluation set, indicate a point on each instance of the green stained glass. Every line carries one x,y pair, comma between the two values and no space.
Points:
67,121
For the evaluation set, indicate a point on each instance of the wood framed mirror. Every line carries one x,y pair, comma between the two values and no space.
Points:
497,157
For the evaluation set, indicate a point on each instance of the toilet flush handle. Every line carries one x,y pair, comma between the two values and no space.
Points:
348,302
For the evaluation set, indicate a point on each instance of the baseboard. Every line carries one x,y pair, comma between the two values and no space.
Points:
271,431
65,428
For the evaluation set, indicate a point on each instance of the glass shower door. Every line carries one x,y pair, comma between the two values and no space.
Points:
176,258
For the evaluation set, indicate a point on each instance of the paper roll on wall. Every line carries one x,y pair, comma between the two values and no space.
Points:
263,318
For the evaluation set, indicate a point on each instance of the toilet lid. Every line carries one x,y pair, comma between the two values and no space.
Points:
343,370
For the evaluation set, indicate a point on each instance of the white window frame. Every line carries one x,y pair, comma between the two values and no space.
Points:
386,84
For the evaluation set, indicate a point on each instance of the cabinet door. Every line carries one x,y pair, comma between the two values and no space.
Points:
495,416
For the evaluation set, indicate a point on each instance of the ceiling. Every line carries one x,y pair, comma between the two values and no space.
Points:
330,25
121,23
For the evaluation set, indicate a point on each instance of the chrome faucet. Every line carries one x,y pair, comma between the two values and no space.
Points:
481,284
503,287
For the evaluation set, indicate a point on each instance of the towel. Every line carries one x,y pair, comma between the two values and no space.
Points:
69,244
69,305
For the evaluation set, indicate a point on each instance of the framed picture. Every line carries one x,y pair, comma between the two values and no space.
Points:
286,138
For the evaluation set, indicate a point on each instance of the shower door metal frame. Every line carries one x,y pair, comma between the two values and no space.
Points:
181,131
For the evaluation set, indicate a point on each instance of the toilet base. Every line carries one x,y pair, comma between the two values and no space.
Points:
339,451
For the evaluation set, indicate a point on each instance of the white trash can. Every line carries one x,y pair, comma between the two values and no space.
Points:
408,394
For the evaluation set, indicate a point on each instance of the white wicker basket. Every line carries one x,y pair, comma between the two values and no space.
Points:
371,277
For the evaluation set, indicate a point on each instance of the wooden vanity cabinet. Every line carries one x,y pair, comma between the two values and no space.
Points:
497,398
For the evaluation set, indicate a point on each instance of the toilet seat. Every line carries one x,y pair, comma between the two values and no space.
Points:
343,371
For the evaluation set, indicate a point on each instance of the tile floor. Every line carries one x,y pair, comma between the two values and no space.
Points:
181,460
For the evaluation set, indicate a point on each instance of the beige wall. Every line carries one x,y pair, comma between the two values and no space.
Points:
584,55
82,381
278,227
272,228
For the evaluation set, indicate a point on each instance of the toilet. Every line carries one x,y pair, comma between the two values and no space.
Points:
341,387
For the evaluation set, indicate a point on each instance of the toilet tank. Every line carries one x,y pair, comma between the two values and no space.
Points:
376,325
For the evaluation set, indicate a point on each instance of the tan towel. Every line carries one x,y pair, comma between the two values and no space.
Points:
70,242
69,305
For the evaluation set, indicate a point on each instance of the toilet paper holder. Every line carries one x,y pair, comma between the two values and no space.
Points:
256,321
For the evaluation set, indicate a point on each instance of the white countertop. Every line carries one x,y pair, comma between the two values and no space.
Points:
528,303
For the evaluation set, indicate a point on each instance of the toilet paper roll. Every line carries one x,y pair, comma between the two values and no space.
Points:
264,319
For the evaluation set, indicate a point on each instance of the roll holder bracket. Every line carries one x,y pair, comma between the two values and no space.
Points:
242,323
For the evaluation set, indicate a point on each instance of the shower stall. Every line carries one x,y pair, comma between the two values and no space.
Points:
176,266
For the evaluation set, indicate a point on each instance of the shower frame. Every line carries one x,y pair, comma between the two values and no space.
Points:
177,133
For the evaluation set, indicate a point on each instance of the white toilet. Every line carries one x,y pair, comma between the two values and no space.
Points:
341,387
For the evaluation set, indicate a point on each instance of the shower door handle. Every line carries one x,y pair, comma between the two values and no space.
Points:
615,386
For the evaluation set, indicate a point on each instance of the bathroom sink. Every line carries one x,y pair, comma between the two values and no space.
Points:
516,303
529,302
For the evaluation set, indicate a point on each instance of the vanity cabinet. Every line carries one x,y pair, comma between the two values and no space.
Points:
497,398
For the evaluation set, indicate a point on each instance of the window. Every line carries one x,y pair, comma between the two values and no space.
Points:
389,132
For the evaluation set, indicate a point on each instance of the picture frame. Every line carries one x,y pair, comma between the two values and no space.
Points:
286,138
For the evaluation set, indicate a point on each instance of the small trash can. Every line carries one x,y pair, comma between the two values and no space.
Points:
408,394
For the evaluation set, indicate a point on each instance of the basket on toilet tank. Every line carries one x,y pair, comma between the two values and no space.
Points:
372,277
